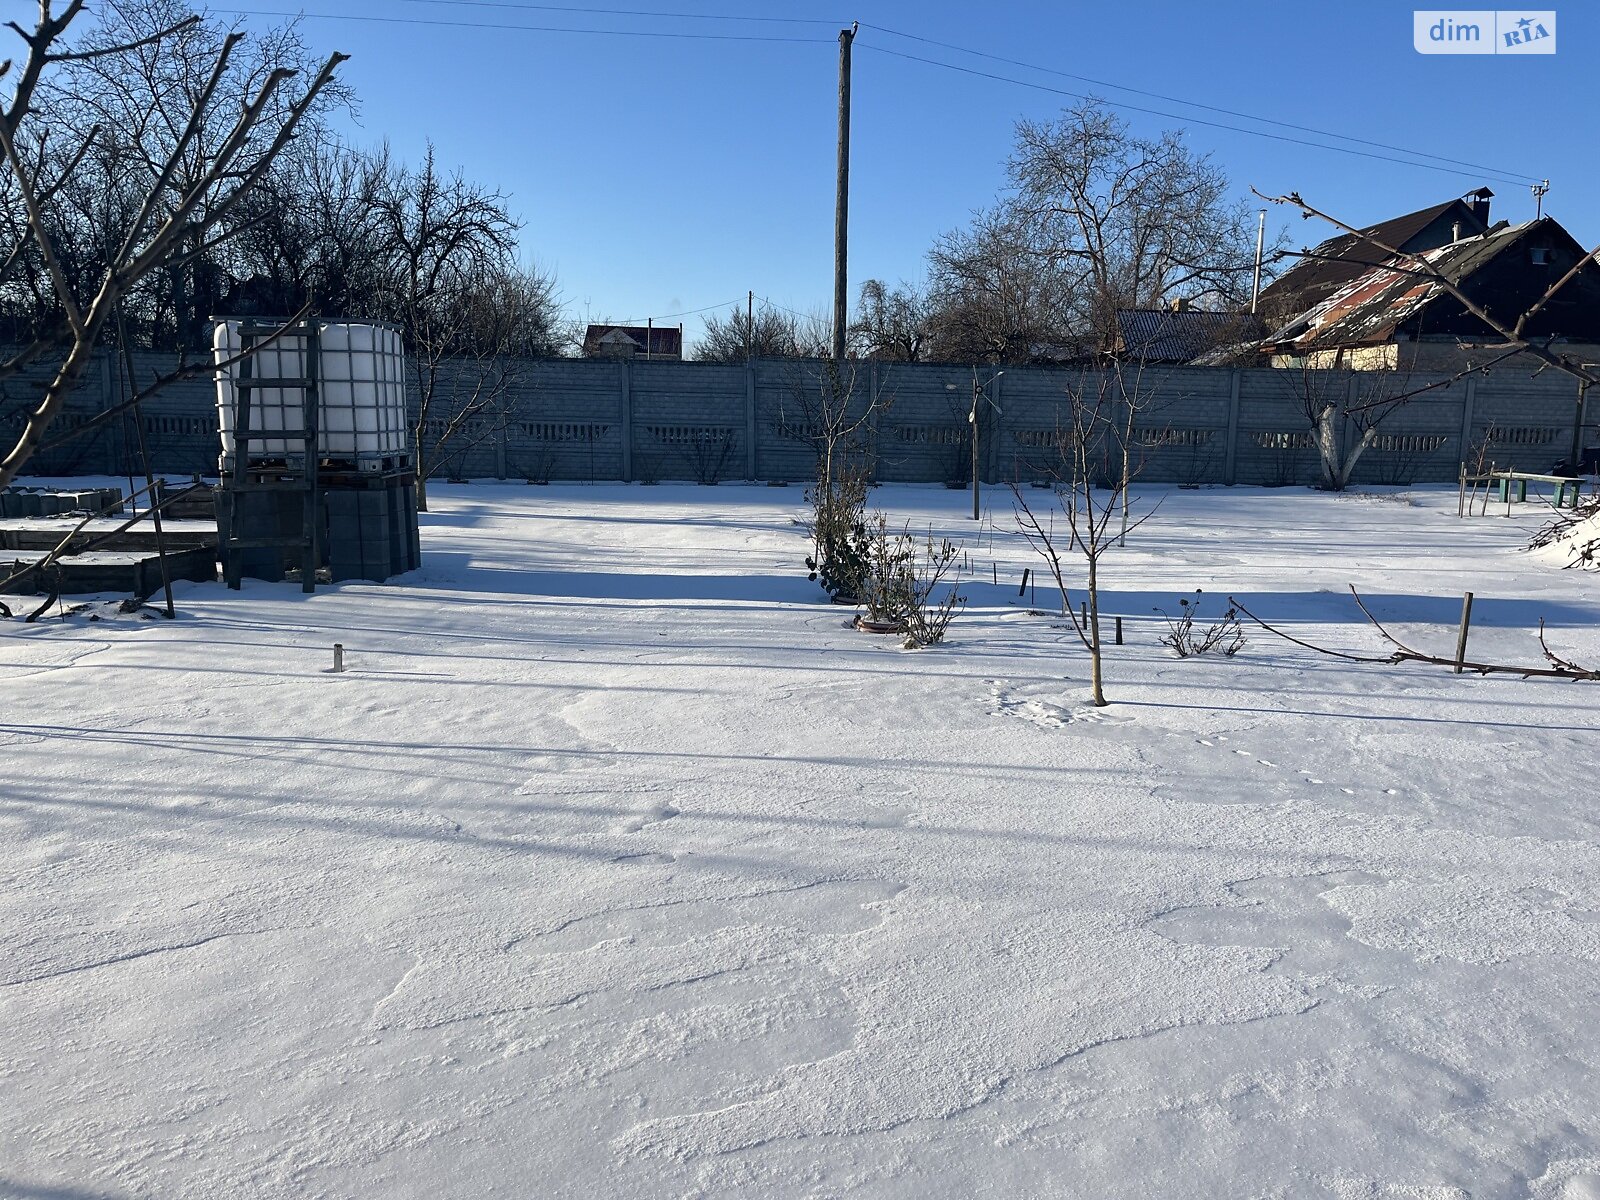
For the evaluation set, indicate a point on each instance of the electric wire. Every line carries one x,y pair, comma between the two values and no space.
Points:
1261,133
668,316
622,12
1229,112
676,35
1402,157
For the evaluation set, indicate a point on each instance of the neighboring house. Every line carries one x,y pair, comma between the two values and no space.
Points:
1333,265
633,341
1179,334
1393,317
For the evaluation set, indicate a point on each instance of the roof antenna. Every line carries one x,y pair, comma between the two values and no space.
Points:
1539,189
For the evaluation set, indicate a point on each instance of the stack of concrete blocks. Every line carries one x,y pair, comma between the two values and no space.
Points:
367,528
48,502
372,529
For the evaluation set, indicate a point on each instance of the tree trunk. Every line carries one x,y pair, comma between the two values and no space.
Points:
1095,684
1348,467
1327,436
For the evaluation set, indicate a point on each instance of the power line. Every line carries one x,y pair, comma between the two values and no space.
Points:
1261,133
1121,87
668,316
785,308
635,33
625,12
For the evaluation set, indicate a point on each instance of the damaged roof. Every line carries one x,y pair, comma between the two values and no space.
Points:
1371,307
1335,262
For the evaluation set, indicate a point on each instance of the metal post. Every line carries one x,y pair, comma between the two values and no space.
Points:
1577,428
972,419
1461,638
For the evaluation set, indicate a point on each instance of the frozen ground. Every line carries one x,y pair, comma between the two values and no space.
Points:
616,865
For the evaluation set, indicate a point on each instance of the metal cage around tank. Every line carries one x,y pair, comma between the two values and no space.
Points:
360,371
318,472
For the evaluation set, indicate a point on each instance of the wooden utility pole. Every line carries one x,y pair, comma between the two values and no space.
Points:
841,204
749,324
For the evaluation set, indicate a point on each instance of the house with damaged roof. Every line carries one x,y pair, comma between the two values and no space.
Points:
1395,315
1335,263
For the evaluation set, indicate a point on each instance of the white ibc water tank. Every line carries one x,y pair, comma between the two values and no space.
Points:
361,376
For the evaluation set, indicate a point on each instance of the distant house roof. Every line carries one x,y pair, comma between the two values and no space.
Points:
1160,335
1334,263
657,341
1386,301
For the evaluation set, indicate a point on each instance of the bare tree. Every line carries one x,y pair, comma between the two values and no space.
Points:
741,335
1090,491
891,323
993,298
1135,222
441,237
1334,401
186,199
1097,220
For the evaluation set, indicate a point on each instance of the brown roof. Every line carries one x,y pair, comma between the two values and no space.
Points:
1370,308
1339,260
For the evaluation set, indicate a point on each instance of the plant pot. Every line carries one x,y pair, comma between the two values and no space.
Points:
868,625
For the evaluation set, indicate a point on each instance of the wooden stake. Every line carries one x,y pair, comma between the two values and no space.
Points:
1461,638
1119,631
1024,585
338,657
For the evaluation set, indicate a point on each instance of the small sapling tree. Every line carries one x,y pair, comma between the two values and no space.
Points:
1091,484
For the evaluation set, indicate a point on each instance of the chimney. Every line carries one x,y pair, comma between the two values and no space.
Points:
1480,204
1181,304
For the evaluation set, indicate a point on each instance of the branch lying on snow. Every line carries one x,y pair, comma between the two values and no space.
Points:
1560,668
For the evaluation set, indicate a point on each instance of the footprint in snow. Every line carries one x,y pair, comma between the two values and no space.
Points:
1307,775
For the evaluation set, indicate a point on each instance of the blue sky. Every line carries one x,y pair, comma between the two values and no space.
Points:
660,174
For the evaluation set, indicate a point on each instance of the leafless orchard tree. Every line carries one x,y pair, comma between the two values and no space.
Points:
1090,514
181,201
1515,340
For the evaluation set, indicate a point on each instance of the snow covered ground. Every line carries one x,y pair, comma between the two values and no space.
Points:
617,865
